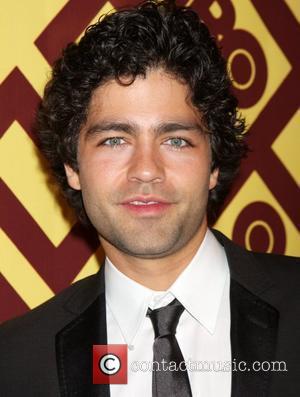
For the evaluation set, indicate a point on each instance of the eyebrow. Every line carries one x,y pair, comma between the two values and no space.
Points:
133,129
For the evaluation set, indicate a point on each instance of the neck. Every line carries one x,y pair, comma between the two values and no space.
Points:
159,273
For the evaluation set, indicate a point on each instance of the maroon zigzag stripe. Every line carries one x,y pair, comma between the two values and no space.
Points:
19,100
57,266
124,3
283,26
66,27
10,299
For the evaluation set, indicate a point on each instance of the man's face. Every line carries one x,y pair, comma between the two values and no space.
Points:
144,166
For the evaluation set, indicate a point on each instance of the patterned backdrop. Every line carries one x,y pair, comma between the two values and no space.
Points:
42,247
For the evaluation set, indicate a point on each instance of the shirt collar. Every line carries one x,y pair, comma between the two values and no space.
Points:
201,285
127,300
199,288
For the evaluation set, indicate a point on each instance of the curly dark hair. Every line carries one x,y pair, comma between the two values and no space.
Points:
129,42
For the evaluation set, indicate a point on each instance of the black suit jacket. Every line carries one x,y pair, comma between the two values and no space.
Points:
48,352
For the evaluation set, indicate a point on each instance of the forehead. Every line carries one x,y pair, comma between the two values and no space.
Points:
156,96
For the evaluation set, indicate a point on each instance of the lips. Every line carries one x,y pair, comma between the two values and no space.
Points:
137,202
145,200
146,205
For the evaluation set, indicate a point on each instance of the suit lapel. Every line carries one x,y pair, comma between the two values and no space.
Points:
75,341
253,338
254,321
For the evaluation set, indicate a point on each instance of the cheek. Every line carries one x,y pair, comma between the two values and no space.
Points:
95,170
192,174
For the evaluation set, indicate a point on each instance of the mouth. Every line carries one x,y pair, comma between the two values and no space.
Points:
146,205
137,202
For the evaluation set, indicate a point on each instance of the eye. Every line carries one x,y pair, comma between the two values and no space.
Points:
177,142
114,141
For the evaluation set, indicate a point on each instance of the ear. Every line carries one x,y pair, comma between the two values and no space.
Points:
213,179
72,177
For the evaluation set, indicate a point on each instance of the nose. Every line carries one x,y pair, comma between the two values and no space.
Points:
146,165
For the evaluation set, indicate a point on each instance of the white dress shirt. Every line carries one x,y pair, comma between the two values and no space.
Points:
203,331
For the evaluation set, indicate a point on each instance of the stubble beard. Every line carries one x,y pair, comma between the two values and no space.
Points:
150,238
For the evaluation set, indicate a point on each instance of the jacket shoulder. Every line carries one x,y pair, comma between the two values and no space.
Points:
263,270
47,317
282,268
28,342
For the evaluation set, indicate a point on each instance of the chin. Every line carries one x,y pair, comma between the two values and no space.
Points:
148,252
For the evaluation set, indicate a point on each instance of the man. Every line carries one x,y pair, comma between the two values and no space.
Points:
143,135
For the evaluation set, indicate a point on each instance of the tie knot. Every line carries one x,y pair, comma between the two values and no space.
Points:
165,319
